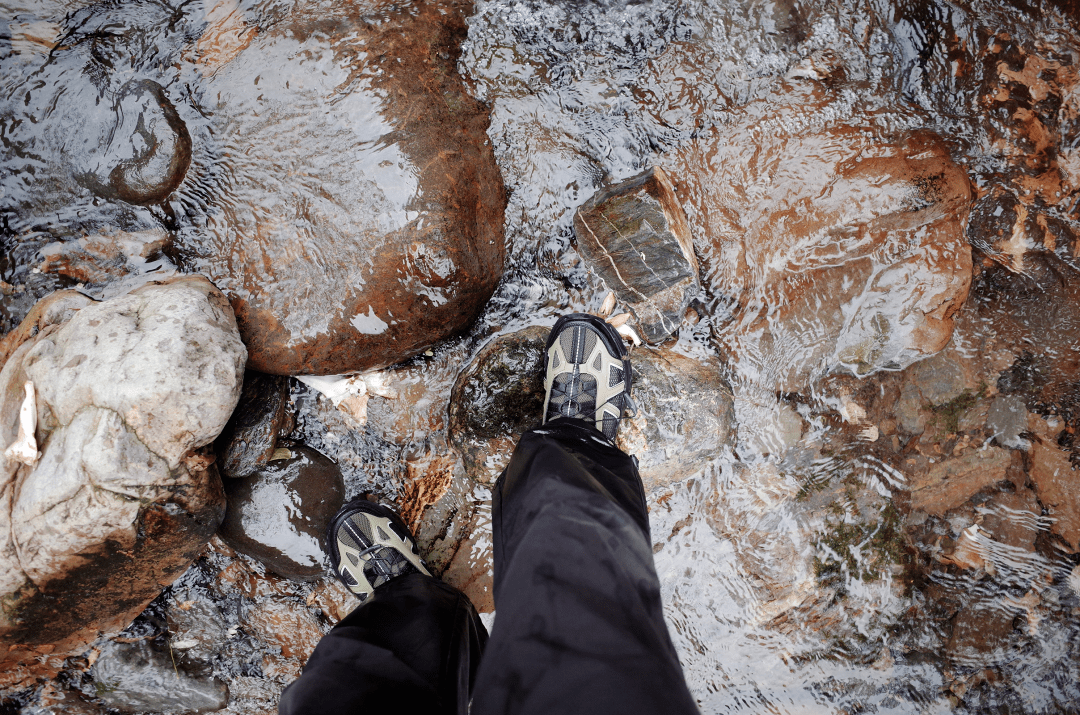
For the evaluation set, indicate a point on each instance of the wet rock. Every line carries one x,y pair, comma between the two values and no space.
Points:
1013,519
196,629
1030,103
992,227
685,415
938,393
144,155
392,239
1032,319
427,480
279,515
57,701
139,677
331,175
33,37
496,398
766,425
470,569
1057,482
455,539
55,309
825,244
288,627
977,634
936,486
1007,419
107,256
635,236
250,694
333,599
250,437
129,392
227,33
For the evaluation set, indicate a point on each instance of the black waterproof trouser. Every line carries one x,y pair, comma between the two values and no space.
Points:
579,626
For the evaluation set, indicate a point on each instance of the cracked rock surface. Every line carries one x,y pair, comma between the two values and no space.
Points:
122,497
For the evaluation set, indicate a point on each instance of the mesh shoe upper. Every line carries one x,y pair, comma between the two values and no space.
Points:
369,545
587,373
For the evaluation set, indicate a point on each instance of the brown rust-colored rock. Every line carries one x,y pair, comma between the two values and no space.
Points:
1057,483
428,479
635,236
951,481
362,232
838,244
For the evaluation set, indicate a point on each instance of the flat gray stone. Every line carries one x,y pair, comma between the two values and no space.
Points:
138,677
635,236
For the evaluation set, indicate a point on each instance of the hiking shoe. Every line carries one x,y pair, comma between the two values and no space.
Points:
587,373
369,545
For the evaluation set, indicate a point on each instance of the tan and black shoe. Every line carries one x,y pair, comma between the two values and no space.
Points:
587,373
369,545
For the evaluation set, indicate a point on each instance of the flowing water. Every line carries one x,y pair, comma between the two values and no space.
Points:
801,570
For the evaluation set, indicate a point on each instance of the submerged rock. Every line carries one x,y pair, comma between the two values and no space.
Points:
250,437
143,156
279,515
365,208
685,415
496,398
685,410
937,486
1056,481
327,170
825,247
634,235
128,392
288,627
196,630
139,677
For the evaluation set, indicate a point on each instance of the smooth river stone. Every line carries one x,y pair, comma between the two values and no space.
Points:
826,244
145,153
359,213
279,515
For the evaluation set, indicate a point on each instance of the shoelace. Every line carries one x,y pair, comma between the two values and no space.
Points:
376,563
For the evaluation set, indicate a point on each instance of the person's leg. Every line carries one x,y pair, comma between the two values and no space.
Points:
414,644
579,626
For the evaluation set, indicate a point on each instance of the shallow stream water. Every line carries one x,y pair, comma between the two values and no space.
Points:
797,574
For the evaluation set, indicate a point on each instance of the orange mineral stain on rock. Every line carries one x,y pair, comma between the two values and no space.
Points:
833,246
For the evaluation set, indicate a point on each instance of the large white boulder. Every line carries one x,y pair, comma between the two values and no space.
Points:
127,393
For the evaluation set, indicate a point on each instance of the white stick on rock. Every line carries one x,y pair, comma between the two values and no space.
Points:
24,448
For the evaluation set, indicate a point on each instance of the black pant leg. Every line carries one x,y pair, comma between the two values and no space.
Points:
579,626
413,647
